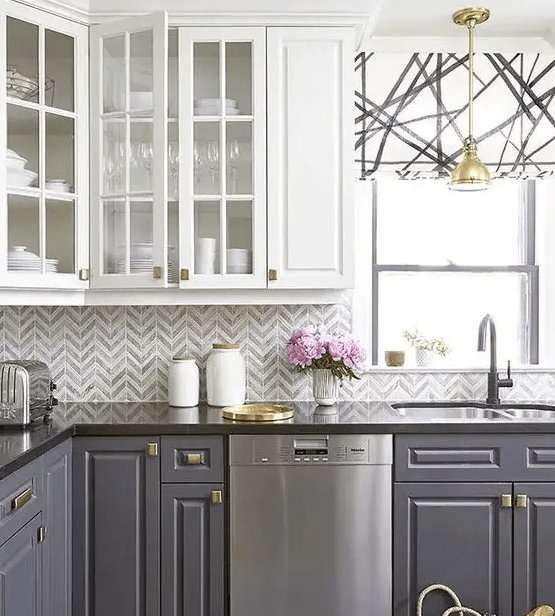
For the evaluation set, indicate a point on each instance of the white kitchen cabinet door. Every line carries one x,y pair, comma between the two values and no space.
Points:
44,184
222,136
129,94
310,156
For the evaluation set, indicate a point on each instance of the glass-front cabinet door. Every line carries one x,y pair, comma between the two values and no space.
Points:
129,176
222,153
44,236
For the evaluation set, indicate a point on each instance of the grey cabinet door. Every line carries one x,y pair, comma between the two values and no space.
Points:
453,534
116,530
192,551
57,520
534,547
21,572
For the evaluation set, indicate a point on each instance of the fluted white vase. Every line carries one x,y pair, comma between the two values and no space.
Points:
325,386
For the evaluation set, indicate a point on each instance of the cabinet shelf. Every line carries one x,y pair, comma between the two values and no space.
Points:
228,118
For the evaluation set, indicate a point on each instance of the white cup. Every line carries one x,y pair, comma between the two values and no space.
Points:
206,255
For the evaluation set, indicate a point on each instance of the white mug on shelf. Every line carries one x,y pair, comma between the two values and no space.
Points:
206,255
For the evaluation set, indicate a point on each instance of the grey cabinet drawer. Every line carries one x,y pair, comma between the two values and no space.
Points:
21,498
196,459
475,457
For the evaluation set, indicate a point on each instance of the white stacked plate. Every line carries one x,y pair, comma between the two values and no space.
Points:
239,260
21,260
213,106
141,266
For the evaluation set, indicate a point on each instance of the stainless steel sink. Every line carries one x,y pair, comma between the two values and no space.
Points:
475,409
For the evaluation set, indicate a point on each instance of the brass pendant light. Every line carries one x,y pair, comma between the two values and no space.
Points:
470,173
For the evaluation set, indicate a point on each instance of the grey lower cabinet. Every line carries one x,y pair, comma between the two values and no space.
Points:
453,534
477,513
192,550
116,535
35,537
21,572
58,524
534,545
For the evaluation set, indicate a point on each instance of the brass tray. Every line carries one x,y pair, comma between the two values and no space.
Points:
258,412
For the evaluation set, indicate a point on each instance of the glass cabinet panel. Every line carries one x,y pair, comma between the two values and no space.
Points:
239,237
114,237
23,168
207,237
238,78
206,155
141,155
24,234
239,158
60,236
206,79
22,70
141,95
113,74
59,70
60,155
114,159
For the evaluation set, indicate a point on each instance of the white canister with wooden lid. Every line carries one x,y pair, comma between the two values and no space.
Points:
183,382
225,376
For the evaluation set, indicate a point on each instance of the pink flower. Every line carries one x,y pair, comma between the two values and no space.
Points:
303,348
337,348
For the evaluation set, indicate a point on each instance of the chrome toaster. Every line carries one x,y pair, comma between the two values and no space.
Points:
26,391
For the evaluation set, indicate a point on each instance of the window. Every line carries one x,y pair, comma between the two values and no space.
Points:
442,259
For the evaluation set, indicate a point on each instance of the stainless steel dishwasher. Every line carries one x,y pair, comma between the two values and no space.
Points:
310,525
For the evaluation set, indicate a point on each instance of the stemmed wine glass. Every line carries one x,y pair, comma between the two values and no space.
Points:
234,155
213,160
173,168
198,161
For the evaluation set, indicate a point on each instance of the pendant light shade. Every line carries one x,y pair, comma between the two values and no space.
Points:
470,173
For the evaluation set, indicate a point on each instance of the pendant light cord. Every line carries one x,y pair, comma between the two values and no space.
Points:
470,24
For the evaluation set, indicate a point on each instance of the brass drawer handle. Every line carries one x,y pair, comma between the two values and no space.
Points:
521,500
506,500
194,459
216,497
22,499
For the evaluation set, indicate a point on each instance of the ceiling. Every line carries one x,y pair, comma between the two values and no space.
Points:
509,18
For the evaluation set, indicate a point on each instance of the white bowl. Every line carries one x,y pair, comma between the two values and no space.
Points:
57,185
20,177
21,254
14,160
141,100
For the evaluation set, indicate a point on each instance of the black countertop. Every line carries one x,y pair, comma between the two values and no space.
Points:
18,447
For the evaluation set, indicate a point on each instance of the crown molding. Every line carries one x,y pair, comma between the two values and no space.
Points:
75,10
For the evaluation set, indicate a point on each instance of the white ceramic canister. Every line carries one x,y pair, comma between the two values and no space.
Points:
183,382
225,376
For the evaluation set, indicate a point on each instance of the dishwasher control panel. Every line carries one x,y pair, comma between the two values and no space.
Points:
312,449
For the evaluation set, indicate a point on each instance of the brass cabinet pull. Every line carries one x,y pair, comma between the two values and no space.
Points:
506,500
152,450
184,274
83,274
157,271
41,534
521,500
216,497
272,274
194,459
22,499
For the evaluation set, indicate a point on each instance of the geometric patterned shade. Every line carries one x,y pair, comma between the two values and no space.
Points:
412,113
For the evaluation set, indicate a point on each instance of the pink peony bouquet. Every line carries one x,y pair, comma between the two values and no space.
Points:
309,348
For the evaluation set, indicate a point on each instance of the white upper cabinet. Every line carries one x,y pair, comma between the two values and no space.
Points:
310,156
44,131
129,93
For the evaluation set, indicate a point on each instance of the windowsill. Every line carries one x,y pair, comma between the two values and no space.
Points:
453,370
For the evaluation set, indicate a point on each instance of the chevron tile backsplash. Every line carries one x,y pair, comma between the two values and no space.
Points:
121,353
